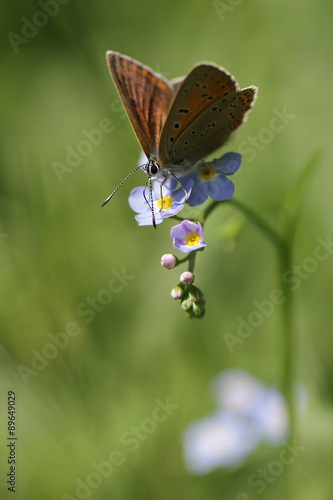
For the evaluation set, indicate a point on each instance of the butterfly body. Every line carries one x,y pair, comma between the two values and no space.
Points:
179,122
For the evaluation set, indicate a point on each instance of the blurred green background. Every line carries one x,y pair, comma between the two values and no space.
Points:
58,247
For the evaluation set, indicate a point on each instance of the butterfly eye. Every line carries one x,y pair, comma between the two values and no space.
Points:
153,168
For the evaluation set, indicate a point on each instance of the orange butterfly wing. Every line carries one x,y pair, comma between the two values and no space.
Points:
146,97
205,84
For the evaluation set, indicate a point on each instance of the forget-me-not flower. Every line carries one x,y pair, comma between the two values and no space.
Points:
210,179
170,203
248,413
187,236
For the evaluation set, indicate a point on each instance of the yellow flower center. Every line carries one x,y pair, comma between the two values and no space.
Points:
206,173
164,203
192,239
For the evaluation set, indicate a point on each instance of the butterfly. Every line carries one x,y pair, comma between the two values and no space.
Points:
178,122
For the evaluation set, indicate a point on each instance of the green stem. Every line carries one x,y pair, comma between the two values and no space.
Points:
283,242
261,224
287,375
264,226
191,261
283,246
176,217
208,210
181,261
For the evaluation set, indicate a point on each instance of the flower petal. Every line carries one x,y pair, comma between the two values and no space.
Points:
220,440
190,227
186,248
221,188
147,219
198,194
240,392
228,163
137,201
168,187
180,232
143,160
180,195
237,390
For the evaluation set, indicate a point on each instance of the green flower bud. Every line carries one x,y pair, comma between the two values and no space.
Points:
186,304
177,292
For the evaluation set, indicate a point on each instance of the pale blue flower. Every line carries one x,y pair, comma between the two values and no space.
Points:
220,440
248,413
238,391
210,179
171,202
187,236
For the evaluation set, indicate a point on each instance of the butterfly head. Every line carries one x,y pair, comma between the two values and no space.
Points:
152,169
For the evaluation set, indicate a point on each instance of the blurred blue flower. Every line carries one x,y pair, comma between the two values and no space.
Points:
170,204
238,391
210,179
187,236
248,413
220,440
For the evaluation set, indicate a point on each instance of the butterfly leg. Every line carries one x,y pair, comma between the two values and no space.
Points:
161,191
151,202
181,184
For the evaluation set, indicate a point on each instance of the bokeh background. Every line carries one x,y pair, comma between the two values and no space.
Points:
58,248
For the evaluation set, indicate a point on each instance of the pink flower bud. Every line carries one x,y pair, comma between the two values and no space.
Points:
168,260
187,278
177,292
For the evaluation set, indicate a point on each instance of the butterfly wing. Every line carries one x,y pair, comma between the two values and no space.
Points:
176,84
208,107
213,127
146,97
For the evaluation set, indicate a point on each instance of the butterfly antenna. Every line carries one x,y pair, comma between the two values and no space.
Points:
122,182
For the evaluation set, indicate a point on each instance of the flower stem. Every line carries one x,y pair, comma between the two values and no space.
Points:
264,226
283,245
287,375
208,210
283,241
191,261
185,259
